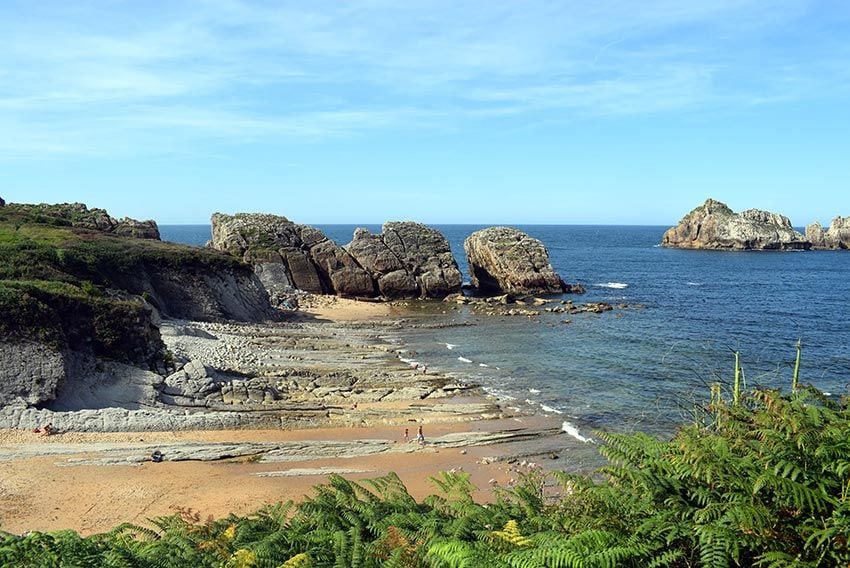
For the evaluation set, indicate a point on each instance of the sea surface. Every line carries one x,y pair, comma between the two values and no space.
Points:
644,367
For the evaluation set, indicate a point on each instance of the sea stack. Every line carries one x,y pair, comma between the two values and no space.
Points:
503,260
836,237
714,226
407,259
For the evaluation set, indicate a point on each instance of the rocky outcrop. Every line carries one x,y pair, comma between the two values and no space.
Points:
713,225
836,237
78,215
2,202
506,260
310,261
30,372
407,260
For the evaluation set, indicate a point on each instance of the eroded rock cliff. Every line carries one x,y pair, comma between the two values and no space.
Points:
713,225
73,293
506,260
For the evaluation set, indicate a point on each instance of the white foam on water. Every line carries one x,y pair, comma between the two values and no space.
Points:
499,394
614,285
483,365
401,350
694,283
450,346
571,430
464,360
534,391
529,401
550,409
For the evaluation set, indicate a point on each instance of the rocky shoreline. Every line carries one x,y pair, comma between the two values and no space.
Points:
303,374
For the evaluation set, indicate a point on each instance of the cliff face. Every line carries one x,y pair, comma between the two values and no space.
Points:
713,225
836,237
74,292
505,260
406,260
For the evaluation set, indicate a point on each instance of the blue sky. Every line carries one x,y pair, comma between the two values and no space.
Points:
445,112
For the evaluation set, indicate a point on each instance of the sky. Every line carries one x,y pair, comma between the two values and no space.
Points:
565,112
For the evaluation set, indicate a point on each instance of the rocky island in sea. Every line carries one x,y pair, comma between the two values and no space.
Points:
713,225
837,236
119,341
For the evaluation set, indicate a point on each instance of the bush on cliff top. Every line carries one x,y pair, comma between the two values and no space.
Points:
80,318
764,482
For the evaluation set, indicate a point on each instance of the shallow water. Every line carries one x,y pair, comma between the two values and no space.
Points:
642,368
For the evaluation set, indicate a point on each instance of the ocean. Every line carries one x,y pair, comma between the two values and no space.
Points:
644,367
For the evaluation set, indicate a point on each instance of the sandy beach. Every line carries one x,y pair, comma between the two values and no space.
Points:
92,481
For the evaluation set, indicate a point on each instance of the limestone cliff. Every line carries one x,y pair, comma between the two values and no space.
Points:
506,260
713,225
836,237
74,292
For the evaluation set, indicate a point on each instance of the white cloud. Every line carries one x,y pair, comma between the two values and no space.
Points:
76,77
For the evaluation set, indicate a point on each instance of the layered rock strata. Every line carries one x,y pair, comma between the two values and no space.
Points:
506,260
713,225
836,237
407,260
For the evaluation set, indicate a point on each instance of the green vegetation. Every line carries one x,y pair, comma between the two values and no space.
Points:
66,283
36,246
764,482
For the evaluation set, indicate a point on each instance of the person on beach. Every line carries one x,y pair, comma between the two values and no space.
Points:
424,369
420,436
406,435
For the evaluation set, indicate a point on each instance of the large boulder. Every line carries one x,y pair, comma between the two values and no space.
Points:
713,225
506,260
836,237
407,260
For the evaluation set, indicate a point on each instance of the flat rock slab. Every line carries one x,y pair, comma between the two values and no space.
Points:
123,454
306,471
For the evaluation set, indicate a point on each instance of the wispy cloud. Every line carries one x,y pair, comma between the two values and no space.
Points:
75,78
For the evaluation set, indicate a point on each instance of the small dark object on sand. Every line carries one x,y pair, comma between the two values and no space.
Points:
156,456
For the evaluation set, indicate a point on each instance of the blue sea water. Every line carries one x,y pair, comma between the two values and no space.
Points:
642,368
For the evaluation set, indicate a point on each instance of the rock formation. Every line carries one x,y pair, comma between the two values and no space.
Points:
407,260
288,255
91,295
78,215
836,237
715,226
2,202
505,260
